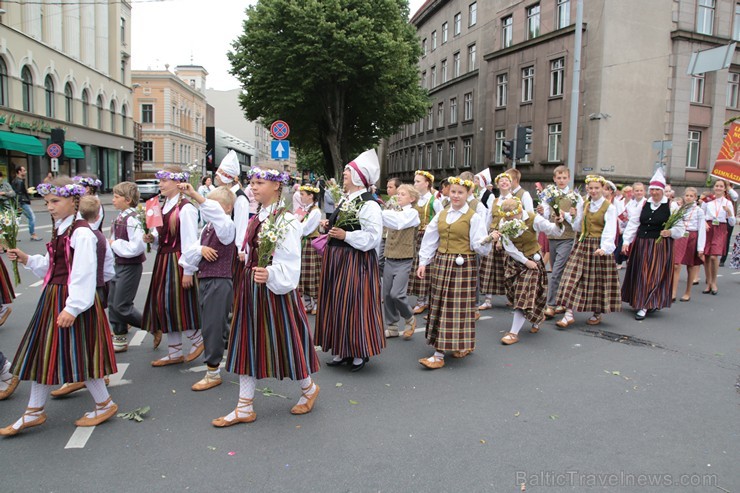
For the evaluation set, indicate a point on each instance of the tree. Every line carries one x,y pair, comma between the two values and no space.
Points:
310,159
342,73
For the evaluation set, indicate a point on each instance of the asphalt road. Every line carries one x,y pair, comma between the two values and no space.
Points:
574,410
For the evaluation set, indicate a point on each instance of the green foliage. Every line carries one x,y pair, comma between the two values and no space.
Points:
311,159
342,73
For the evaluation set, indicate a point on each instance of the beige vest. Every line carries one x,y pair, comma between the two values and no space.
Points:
568,233
400,244
527,242
455,238
594,222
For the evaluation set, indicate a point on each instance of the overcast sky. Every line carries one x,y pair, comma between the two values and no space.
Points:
180,32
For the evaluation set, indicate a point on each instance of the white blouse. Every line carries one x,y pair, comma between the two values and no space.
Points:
407,217
526,199
135,245
371,220
430,242
241,216
609,234
693,220
188,230
211,212
715,210
437,205
311,222
541,225
634,223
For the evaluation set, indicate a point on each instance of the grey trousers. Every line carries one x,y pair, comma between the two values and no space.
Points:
216,300
395,283
559,253
121,294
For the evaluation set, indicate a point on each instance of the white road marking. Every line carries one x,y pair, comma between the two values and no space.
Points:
36,284
117,378
146,273
138,338
733,274
485,317
80,437
202,368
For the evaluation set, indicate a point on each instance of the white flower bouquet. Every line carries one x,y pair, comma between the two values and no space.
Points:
271,233
512,228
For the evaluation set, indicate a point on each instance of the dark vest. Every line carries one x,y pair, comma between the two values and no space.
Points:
60,265
355,226
169,238
484,198
651,221
250,240
223,266
121,232
100,250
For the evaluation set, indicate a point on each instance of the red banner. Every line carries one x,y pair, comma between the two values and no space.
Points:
153,213
727,166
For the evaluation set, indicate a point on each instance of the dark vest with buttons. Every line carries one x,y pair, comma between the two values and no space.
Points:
169,238
61,267
355,226
121,232
223,266
651,221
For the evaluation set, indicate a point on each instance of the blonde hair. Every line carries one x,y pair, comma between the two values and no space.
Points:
62,181
224,196
515,174
89,208
466,175
561,169
128,191
512,205
414,193
691,189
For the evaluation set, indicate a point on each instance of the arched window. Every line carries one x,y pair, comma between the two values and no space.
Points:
85,108
124,112
99,106
112,116
3,83
49,95
68,101
27,81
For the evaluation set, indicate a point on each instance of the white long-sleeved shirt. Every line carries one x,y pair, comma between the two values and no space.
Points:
371,221
716,210
213,214
480,210
609,234
241,216
540,225
634,223
430,242
634,207
527,203
407,217
311,221
188,230
437,205
135,245
693,220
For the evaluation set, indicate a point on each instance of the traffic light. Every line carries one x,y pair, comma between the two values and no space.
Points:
523,141
508,149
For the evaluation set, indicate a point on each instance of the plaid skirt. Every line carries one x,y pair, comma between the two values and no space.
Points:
419,287
716,243
590,283
7,293
526,289
684,250
648,279
492,280
451,325
735,257
310,270
169,307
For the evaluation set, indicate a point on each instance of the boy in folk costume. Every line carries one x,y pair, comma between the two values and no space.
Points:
214,256
590,282
92,185
517,191
349,321
718,214
427,207
401,222
492,281
172,302
69,315
270,336
689,249
648,278
391,188
452,240
526,279
309,214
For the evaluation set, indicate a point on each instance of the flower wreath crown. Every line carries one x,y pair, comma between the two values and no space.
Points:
71,190
87,181
269,175
170,175
454,180
599,178
502,175
426,174
518,210
309,188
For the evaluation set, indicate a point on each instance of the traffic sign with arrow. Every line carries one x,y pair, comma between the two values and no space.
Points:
279,149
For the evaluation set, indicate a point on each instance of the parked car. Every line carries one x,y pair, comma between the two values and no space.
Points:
148,188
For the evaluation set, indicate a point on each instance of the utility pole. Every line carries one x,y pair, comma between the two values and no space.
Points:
573,124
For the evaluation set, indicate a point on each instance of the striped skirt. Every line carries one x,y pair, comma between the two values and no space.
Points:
349,320
648,279
492,280
7,293
419,287
238,269
270,336
51,355
716,243
451,325
169,307
684,250
310,270
526,289
590,283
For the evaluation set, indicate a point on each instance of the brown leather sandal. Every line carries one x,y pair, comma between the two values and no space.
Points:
9,431
103,411
310,401
249,416
168,360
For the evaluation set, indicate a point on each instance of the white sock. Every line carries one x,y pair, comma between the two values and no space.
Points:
246,391
307,387
516,324
568,314
337,358
357,361
99,393
39,396
196,339
438,354
214,373
174,343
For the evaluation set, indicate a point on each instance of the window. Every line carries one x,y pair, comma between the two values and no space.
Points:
457,23
453,111
3,83
421,125
533,21
123,31
697,88
473,14
99,108
736,23
147,151
430,119
429,156
498,153
68,102
444,33
424,47
112,116
123,71
451,154
502,89
471,58
527,84
27,80
440,114
527,147
507,31
733,85
557,77
705,17
421,157
467,152
424,79
413,128
85,108
443,67
49,96
692,154
124,114
434,40
456,65
434,76
147,113
563,14
468,106
440,149
554,142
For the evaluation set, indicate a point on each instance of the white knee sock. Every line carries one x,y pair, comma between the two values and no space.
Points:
196,339
307,387
99,393
516,324
246,391
174,345
39,396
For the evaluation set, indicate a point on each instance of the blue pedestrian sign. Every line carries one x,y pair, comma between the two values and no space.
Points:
279,149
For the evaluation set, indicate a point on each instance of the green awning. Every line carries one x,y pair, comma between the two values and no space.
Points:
23,143
72,150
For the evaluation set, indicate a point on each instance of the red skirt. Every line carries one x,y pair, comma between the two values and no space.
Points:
684,250
716,239
544,243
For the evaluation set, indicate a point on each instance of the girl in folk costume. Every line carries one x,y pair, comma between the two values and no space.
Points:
92,185
270,335
172,302
68,339
309,215
492,281
452,240
590,281
401,222
349,322
649,275
689,249
427,206
526,278
718,213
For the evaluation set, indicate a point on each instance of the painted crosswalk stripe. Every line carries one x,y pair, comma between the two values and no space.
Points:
38,283
138,338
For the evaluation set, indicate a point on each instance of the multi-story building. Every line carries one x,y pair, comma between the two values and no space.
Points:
515,62
66,65
171,108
